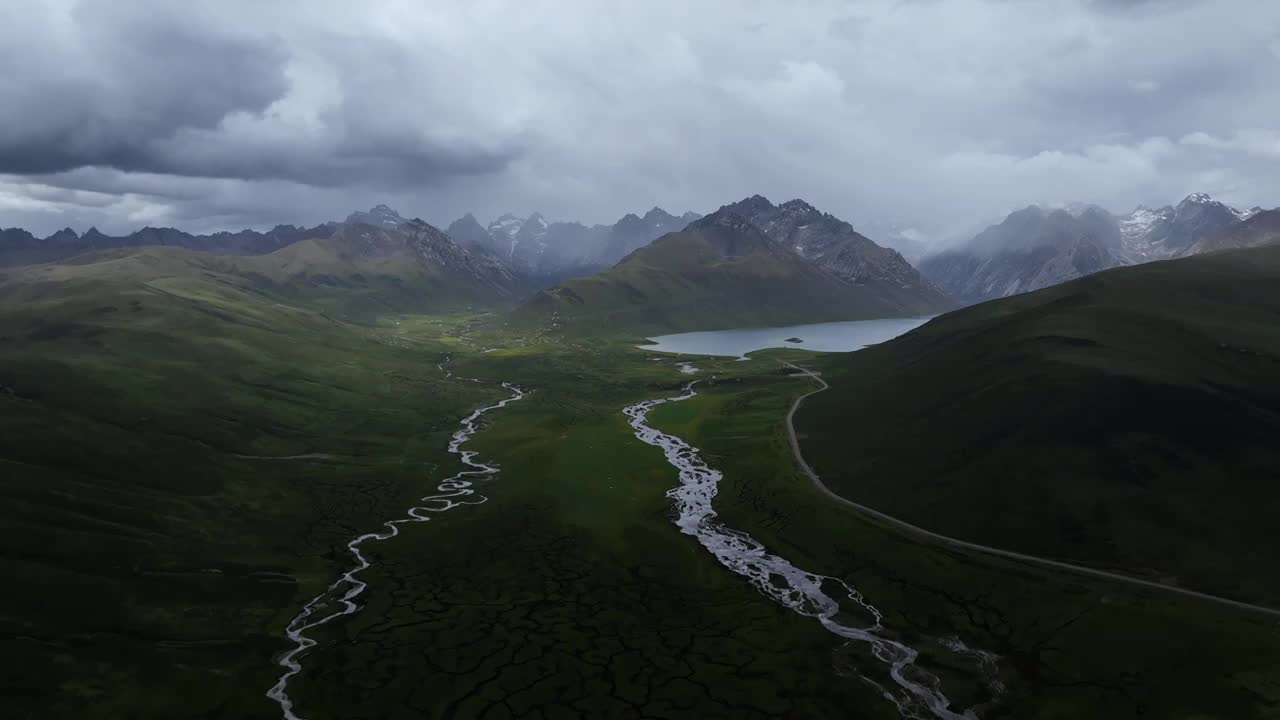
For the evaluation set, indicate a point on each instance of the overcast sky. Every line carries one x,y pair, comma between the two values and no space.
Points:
936,113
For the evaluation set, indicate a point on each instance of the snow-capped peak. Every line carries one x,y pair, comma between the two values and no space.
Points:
1198,198
1141,220
506,226
1243,215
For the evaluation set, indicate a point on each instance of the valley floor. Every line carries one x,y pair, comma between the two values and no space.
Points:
569,593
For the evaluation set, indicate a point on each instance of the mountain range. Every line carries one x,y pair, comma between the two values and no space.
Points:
19,247
748,264
751,263
543,249
1036,247
510,257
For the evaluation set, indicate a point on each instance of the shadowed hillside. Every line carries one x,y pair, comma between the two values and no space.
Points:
1126,420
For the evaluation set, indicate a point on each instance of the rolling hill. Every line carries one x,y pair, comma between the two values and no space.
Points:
407,266
354,270
1125,420
721,271
19,247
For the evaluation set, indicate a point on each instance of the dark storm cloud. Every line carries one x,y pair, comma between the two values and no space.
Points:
118,79
937,113
155,88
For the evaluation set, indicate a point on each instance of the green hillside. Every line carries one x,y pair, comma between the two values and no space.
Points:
357,272
1125,420
183,457
142,400
720,272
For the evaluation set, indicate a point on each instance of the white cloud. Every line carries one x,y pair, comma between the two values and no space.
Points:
1255,142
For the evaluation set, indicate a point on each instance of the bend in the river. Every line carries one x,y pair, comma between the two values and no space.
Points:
338,600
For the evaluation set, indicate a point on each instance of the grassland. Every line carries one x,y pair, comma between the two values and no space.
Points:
568,594
154,545
1126,420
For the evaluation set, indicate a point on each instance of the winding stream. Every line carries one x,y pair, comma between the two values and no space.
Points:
338,600
919,692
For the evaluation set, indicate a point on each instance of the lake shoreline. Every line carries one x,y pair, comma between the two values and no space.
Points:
845,336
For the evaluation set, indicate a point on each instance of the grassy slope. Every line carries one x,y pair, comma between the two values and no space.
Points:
136,539
570,590
1126,420
318,273
1069,647
684,281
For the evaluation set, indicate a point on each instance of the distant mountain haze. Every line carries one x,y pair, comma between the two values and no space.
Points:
1035,247
19,247
559,249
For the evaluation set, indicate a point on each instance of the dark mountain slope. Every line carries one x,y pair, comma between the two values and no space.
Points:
1172,231
1262,228
721,271
1126,420
354,269
835,246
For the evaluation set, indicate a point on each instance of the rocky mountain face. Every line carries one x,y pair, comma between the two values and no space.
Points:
412,249
1257,229
1034,248
833,244
468,232
1172,231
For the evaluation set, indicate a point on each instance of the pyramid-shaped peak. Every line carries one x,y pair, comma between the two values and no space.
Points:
380,215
